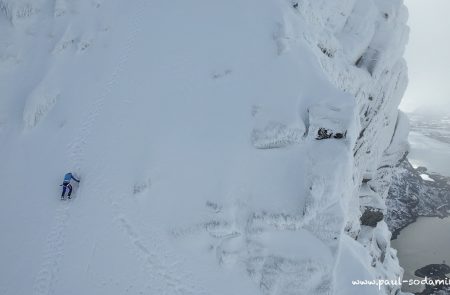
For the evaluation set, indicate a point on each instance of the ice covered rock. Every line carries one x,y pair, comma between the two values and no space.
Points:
327,121
371,216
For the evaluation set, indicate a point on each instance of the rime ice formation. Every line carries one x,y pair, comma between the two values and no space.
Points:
194,127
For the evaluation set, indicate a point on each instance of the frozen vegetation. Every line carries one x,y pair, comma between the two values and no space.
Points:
224,147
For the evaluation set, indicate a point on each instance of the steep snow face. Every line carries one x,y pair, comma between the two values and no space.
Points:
193,128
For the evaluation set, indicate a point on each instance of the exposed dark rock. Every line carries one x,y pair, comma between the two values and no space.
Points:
338,135
368,60
358,61
325,50
324,133
433,271
371,216
436,278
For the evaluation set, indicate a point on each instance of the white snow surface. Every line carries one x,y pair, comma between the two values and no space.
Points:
426,177
192,126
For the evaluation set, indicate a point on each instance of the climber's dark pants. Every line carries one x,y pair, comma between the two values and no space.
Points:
66,186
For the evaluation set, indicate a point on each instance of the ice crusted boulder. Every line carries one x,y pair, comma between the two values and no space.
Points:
371,216
327,121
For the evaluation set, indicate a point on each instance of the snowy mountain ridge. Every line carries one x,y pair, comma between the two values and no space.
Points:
193,127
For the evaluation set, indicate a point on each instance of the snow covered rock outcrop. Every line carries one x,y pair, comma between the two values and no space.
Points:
196,136
362,55
329,121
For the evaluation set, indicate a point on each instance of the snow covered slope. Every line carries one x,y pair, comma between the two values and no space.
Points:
193,126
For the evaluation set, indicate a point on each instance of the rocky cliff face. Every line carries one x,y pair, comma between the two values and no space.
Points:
410,196
362,44
421,191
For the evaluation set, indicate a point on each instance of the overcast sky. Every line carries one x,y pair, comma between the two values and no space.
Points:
428,55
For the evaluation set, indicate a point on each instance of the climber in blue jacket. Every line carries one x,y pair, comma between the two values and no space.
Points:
66,185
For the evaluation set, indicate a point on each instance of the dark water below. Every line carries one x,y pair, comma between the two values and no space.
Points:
427,241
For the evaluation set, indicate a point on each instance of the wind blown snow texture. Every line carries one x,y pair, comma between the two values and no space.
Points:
192,126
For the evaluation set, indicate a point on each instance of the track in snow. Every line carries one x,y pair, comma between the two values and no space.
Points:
47,275
77,147
168,274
